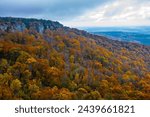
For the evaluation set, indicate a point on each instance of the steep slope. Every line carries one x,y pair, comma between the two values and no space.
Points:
57,62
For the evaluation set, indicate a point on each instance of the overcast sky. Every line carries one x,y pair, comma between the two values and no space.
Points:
80,13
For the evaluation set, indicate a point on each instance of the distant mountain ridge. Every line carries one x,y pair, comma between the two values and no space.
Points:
139,34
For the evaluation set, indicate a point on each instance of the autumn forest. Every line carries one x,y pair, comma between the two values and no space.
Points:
44,60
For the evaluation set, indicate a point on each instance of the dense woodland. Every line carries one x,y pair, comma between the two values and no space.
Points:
63,63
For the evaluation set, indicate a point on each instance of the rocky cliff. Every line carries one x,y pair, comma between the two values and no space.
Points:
20,24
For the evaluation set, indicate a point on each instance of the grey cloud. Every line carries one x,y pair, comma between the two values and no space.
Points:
53,9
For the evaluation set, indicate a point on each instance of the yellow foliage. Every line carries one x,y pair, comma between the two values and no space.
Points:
31,60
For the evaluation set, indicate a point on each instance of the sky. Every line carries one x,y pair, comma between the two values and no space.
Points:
81,13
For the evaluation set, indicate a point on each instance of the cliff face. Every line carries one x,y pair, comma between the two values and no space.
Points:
20,24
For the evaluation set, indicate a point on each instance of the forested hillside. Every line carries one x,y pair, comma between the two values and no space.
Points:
41,59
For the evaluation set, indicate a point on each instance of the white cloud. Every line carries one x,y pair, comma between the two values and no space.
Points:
116,13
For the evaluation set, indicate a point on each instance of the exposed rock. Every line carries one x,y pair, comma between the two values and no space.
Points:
20,24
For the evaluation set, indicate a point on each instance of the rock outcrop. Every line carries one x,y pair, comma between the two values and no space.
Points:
20,24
